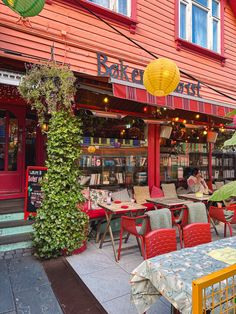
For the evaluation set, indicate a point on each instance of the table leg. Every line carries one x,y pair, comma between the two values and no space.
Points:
108,218
214,226
108,228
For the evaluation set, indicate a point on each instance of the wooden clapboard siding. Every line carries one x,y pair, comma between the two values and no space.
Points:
85,35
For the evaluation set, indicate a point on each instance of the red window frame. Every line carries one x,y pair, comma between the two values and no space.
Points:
181,43
121,19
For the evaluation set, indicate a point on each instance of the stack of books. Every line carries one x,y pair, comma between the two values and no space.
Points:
141,177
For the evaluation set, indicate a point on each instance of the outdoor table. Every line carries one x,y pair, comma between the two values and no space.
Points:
171,275
116,209
193,197
168,202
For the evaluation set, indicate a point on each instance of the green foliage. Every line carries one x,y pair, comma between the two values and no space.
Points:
60,227
59,223
48,88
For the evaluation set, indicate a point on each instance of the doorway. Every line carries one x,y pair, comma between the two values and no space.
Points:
12,142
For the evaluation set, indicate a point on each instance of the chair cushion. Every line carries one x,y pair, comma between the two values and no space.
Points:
141,193
97,196
96,213
121,195
149,206
156,192
169,189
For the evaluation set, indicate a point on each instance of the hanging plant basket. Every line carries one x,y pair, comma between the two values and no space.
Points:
25,8
48,88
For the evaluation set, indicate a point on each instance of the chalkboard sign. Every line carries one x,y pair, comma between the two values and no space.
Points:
33,192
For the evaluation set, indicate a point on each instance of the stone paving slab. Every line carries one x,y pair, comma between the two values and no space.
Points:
25,288
38,300
7,303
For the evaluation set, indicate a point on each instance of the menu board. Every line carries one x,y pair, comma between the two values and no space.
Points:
33,192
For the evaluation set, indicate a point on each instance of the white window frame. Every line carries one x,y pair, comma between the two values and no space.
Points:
114,5
210,20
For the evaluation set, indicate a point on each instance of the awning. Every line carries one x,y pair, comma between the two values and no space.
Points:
173,101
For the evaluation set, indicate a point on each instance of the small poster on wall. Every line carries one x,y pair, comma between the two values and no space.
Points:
33,191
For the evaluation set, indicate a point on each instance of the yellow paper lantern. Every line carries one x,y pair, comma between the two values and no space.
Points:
91,149
161,77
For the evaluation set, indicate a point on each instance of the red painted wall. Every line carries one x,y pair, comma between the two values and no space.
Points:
78,36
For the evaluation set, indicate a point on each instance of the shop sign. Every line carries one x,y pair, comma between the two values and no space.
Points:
33,192
120,71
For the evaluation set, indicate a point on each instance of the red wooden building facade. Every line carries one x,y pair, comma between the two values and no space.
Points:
197,34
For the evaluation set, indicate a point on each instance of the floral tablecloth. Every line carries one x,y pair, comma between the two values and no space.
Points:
171,275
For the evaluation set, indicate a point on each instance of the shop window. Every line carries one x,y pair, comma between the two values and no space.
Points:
118,6
200,23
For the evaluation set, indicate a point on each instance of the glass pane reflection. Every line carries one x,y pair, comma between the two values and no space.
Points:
199,26
2,138
13,144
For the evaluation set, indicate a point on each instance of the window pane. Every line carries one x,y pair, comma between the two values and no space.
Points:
122,7
199,26
215,36
203,2
183,20
104,3
13,144
2,138
215,8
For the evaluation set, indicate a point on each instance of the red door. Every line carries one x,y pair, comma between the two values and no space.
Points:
12,144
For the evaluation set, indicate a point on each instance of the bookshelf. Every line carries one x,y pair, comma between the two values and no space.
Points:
112,167
223,166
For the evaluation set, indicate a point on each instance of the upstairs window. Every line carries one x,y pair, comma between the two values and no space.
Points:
119,6
199,23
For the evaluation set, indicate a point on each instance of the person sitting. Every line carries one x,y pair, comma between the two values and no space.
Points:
196,183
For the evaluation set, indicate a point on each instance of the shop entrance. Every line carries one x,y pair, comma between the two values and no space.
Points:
12,143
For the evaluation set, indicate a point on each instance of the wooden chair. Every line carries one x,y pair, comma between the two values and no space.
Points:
159,242
196,233
220,214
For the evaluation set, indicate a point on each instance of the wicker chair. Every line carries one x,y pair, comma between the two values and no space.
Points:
159,242
196,233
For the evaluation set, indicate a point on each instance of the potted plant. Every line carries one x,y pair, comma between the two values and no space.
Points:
60,226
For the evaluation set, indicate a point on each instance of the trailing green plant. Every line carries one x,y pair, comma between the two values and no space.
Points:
48,88
60,227
59,224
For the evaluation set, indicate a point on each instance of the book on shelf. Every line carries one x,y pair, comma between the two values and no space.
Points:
180,174
119,177
95,179
216,174
131,161
83,180
204,160
142,161
141,177
105,177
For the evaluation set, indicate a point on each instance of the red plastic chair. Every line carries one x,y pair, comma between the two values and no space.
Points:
219,214
196,233
96,217
159,242
131,225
